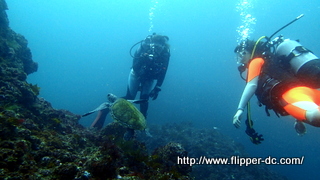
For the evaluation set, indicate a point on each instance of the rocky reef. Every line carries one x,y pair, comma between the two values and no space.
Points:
38,141
209,143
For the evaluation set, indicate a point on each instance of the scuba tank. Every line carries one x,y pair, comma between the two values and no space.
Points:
291,54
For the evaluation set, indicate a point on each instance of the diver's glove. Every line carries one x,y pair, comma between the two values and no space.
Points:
236,118
254,136
154,93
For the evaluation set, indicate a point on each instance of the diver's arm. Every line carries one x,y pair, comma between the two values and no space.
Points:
251,87
154,93
161,77
248,92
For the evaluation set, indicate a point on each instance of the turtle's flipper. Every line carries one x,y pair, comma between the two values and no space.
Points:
138,101
104,105
88,113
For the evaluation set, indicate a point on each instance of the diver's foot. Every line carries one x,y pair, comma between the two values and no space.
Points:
129,135
300,128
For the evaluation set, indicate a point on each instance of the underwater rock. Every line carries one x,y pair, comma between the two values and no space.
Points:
14,49
204,142
167,155
105,161
4,22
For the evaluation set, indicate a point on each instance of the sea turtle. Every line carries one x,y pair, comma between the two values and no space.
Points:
123,112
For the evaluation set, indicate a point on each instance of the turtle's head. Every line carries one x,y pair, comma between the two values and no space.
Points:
112,97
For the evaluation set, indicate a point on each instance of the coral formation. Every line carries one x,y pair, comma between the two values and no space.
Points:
40,142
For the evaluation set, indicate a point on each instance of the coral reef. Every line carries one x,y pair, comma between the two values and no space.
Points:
210,143
40,142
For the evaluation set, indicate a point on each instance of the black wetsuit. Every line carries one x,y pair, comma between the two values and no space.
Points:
148,71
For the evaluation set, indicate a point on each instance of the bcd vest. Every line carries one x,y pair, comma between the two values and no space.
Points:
273,82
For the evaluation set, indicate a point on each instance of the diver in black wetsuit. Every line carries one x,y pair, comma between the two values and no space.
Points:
149,68
150,63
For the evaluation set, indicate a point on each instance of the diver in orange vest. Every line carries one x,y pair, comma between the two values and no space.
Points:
284,76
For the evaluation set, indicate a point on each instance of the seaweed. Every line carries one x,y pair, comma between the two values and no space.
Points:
35,89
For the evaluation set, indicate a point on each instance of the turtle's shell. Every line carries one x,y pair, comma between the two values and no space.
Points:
127,114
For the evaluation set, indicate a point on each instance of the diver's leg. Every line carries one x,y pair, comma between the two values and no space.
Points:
133,85
147,87
144,106
99,120
303,104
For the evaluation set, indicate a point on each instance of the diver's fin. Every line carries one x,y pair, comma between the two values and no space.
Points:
138,101
104,105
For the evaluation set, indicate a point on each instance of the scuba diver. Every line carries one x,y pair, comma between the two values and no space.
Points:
284,76
150,63
149,68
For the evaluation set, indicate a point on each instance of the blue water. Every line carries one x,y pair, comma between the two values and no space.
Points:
82,49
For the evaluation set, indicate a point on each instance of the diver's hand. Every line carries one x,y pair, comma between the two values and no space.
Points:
236,118
154,93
